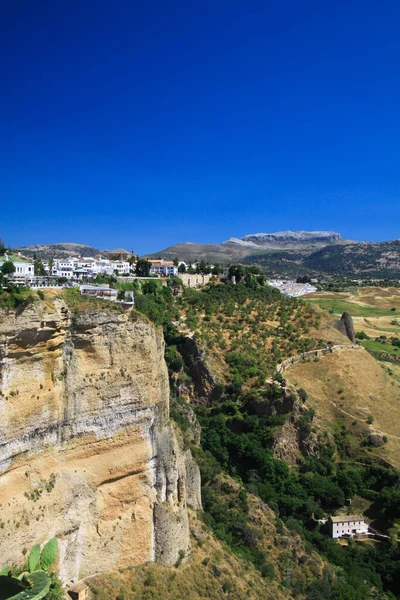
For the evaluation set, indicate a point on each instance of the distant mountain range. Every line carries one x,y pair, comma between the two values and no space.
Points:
61,250
256,243
293,253
284,254
267,240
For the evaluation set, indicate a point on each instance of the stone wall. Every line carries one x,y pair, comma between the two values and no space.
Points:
294,360
190,280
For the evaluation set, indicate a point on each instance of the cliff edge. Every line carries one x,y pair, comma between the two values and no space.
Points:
87,451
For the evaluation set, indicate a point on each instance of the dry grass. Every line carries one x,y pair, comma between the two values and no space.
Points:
213,571
351,385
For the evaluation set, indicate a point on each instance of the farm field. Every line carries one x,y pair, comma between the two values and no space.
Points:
381,347
376,311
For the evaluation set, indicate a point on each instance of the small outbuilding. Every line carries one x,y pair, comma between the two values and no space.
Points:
95,291
347,525
80,591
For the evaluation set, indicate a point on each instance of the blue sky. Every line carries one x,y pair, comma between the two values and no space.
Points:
143,124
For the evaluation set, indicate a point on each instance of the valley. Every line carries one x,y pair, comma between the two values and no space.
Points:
201,471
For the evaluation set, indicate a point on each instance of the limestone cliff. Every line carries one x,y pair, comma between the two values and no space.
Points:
87,451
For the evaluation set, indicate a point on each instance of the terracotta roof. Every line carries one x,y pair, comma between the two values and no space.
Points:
346,518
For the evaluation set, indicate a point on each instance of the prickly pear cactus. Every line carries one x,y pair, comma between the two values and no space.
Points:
49,554
34,556
10,587
5,570
31,587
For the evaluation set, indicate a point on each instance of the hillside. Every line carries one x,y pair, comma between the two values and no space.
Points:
291,254
191,252
214,571
275,418
359,260
303,441
59,250
381,260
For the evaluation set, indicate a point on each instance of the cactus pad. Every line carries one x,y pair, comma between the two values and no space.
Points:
49,554
34,557
32,587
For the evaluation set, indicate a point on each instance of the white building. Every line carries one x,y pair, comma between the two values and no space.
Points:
96,291
22,268
78,268
163,267
347,525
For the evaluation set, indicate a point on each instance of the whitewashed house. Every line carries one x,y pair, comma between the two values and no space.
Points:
22,268
162,267
348,525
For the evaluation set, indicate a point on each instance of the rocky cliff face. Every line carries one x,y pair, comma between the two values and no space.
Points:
87,452
291,237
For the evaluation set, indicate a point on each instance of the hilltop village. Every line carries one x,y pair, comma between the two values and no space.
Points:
123,265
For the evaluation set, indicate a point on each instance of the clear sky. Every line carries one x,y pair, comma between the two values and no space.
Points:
143,124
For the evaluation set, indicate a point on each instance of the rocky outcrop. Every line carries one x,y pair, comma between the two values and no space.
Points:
87,451
205,385
298,437
346,326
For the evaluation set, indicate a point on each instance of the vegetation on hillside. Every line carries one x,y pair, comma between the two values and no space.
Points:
249,328
366,260
14,297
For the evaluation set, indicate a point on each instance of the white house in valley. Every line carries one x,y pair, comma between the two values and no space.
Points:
347,525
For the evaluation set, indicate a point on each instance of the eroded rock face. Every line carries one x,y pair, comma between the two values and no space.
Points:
346,326
84,427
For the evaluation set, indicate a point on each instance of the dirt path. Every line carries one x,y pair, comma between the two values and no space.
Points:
389,435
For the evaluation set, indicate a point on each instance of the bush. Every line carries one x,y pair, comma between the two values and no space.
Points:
303,394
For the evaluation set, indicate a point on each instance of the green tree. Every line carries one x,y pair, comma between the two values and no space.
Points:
182,268
38,267
237,271
8,267
51,266
176,261
218,269
143,267
201,267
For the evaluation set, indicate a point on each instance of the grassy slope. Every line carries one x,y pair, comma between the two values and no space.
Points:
368,389
214,571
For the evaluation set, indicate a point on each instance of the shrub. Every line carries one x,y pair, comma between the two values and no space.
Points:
303,394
